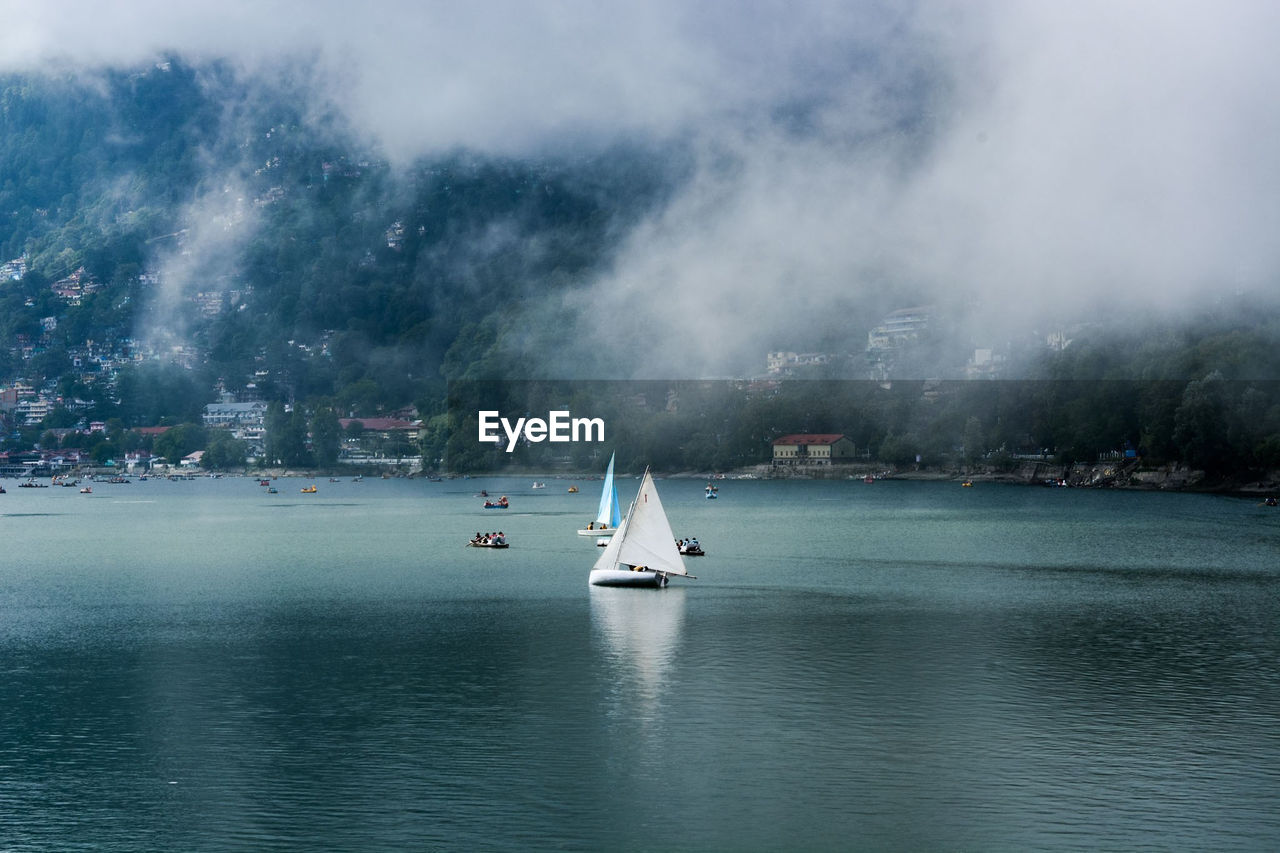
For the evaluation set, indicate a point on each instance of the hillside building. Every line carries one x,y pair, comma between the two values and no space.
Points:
810,449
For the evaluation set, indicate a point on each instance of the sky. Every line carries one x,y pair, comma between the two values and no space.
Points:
1027,161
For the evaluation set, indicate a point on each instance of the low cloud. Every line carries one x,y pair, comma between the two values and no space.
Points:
1022,166
199,259
1023,159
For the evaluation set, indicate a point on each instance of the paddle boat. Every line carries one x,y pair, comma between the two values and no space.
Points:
489,540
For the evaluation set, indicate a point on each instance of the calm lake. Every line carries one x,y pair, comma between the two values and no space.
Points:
201,665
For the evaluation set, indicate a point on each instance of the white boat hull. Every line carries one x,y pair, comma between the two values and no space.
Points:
600,534
626,577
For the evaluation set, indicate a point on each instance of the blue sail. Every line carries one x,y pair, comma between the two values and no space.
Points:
609,513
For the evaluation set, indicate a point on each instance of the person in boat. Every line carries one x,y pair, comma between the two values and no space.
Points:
499,539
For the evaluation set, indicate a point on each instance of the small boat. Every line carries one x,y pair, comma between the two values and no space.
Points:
868,479
608,514
309,490
538,485
643,550
333,479
498,541
264,482
691,548
87,490
501,503
713,492
272,490
573,490
968,484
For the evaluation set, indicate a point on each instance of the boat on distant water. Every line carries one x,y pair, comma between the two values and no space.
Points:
573,490
608,514
309,490
712,492
690,548
538,484
643,550
489,540
500,503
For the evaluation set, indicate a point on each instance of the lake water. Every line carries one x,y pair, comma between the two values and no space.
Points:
200,665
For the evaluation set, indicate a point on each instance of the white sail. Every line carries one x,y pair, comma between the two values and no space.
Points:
609,559
645,537
608,513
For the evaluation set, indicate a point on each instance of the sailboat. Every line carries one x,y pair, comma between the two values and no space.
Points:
643,550
608,515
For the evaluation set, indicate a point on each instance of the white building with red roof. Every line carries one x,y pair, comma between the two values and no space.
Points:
812,449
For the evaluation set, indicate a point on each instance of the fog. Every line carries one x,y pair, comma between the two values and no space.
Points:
1022,163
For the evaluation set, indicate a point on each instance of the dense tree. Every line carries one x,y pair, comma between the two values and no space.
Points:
326,436
180,441
224,452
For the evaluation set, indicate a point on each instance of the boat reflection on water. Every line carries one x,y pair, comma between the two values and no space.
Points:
640,636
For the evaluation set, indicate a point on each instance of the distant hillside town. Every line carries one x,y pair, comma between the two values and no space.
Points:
913,343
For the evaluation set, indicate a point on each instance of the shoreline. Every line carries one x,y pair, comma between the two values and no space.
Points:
1122,475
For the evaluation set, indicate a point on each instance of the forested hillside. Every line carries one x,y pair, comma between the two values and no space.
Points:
175,234
225,229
